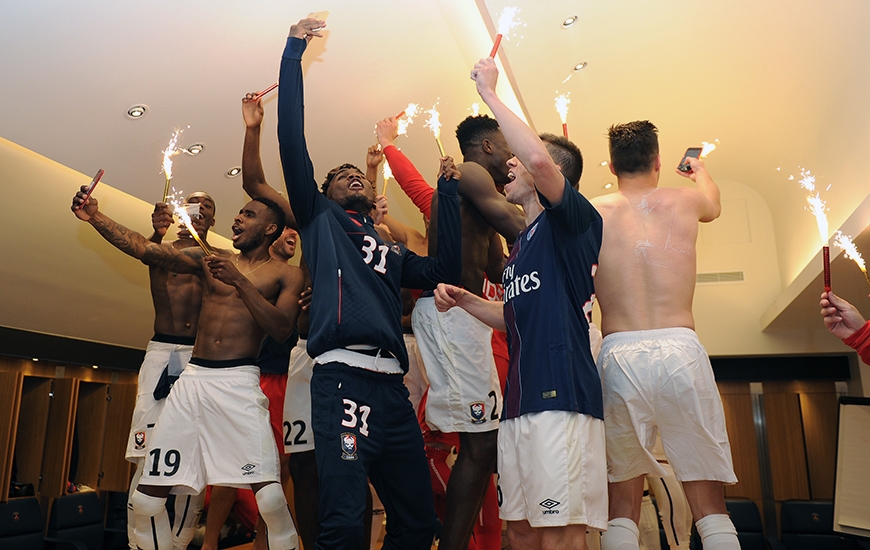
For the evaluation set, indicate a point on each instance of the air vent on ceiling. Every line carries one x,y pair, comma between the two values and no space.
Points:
721,277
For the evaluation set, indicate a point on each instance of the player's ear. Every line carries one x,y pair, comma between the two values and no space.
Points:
658,165
486,145
612,169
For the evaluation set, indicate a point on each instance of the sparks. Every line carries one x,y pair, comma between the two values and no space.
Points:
170,151
849,249
507,21
388,172
407,118
183,213
434,124
707,148
562,102
475,109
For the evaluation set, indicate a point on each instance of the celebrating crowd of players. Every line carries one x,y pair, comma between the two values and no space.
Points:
572,442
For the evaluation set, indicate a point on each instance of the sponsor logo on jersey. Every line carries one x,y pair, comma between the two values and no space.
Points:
478,412
139,441
549,394
249,469
348,446
549,504
531,232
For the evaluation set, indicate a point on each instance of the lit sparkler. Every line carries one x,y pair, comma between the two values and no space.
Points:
851,252
406,118
434,124
183,213
170,151
506,23
562,102
475,109
707,148
388,173
817,208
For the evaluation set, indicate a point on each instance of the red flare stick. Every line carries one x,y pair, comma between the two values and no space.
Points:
266,91
400,115
90,189
565,129
495,46
826,258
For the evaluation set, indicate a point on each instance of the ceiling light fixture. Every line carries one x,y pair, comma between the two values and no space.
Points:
569,21
196,148
603,163
136,112
608,185
234,171
580,66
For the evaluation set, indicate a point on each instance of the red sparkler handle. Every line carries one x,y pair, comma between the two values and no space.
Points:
826,258
400,115
495,46
266,91
565,129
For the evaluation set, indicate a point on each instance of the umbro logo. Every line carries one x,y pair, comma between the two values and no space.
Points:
549,504
248,468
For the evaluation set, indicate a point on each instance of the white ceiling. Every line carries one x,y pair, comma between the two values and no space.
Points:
779,84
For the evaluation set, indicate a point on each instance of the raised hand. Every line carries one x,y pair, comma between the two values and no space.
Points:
485,75
307,28
448,169
252,110
86,212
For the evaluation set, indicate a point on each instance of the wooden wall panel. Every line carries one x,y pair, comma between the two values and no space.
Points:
786,446
90,421
31,429
10,397
739,421
116,471
819,415
58,437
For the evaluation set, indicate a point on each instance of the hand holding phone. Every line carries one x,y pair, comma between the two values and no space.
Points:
684,166
321,15
90,189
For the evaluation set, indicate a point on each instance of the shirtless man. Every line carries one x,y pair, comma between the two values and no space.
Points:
245,297
645,284
177,298
464,390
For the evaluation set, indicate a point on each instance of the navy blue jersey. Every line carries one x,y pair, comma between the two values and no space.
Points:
355,275
548,293
274,356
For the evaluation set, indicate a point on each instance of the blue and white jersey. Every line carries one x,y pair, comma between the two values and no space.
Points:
548,294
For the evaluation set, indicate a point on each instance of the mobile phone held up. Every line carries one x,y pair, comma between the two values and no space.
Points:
90,189
690,152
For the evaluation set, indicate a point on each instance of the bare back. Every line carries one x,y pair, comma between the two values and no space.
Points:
647,264
227,328
177,298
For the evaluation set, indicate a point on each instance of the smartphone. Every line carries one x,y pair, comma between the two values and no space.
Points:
690,152
322,15
90,188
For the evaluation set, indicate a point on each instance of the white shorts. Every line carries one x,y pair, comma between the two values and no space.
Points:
158,355
415,378
464,392
298,435
662,381
552,470
214,430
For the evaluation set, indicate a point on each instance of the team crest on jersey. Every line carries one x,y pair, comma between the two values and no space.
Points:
478,412
531,232
348,446
139,441
396,249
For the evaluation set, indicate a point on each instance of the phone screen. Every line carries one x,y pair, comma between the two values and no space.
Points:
690,152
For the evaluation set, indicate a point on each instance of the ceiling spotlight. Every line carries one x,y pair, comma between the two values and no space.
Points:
96,367
603,163
608,185
569,21
234,171
136,112
580,66
196,148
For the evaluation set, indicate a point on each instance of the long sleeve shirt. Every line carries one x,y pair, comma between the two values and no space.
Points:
860,342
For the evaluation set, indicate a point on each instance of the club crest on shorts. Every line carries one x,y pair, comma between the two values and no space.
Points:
139,441
348,446
478,412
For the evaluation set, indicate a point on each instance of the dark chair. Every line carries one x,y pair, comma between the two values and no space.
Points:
21,524
809,525
77,518
746,519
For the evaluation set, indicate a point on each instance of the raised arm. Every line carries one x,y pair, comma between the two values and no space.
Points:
374,157
135,244
302,189
253,177
409,179
523,141
488,313
478,188
709,202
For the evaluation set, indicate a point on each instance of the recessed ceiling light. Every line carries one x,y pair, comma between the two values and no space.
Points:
603,163
136,112
35,359
608,185
580,66
96,367
569,21
196,148
234,171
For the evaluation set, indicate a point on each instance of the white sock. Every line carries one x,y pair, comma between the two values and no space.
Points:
188,508
152,522
131,517
276,514
621,534
717,532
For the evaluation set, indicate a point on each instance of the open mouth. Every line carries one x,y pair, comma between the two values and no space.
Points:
512,176
355,186
237,231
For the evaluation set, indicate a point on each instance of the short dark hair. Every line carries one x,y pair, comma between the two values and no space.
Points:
278,217
473,130
634,146
332,173
566,155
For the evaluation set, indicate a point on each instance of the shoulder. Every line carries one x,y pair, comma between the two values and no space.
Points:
473,172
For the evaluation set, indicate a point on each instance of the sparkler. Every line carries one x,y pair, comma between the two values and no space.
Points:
183,214
388,173
817,208
562,102
258,95
506,23
434,124
708,148
475,109
170,151
406,118
851,252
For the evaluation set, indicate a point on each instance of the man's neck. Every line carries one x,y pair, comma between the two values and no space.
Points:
644,182
532,209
